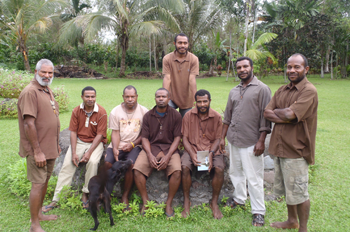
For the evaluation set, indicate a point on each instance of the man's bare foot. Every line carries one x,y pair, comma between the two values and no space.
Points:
215,209
143,208
36,229
126,201
285,225
43,217
186,211
85,200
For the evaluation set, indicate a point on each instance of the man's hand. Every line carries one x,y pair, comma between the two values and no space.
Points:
116,154
75,159
40,159
59,149
163,162
152,161
86,157
259,148
210,161
195,161
222,146
127,147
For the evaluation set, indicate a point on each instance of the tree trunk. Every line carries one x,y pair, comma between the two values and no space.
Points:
254,26
326,66
124,46
150,53
322,73
24,51
233,68
246,28
155,53
229,58
211,68
117,58
332,64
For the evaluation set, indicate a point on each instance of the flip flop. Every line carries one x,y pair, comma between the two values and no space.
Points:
48,208
84,204
168,215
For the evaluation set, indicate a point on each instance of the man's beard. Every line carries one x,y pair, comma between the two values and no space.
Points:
201,112
41,82
300,78
179,49
249,75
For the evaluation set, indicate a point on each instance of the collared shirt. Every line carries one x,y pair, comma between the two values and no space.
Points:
180,71
161,131
244,113
128,124
87,128
297,139
35,102
202,134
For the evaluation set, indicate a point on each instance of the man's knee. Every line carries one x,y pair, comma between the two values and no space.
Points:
185,171
38,186
219,172
176,175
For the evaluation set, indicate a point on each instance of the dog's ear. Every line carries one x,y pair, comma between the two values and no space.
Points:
113,175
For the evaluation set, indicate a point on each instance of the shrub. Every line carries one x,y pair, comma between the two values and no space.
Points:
13,82
8,108
61,97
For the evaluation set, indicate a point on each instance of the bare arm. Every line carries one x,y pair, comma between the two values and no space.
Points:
223,136
32,136
115,137
274,115
190,151
129,146
193,84
73,145
166,81
163,163
151,158
94,144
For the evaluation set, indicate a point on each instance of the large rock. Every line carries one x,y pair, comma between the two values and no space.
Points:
157,183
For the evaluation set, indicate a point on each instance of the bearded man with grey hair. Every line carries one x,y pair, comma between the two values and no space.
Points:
39,128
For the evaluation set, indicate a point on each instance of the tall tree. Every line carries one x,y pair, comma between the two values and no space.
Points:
125,17
27,18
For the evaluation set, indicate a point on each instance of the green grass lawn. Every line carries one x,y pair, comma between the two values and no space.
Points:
329,188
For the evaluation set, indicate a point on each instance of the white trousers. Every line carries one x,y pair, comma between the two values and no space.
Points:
244,165
68,169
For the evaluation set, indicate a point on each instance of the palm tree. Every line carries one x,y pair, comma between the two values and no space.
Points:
27,18
125,18
199,18
258,49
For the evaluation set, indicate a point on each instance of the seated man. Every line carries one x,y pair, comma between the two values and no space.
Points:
88,126
161,134
125,121
201,130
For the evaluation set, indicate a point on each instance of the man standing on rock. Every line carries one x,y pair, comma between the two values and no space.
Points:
180,69
246,130
39,128
293,109
125,121
161,134
201,131
88,126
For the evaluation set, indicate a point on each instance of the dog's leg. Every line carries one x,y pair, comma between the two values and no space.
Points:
108,208
93,211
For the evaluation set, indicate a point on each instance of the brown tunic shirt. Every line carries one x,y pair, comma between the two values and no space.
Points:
295,140
244,113
35,102
87,130
161,131
180,92
202,134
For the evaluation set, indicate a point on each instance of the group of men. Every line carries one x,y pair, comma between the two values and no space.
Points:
151,138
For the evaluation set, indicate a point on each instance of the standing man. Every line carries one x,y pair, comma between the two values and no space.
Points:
161,134
125,121
201,131
293,109
180,69
88,126
39,128
246,130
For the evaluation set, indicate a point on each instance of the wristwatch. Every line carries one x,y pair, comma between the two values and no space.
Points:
212,152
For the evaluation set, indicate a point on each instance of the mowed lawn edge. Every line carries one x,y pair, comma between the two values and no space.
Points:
329,182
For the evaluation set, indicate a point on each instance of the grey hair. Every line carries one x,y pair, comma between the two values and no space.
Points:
45,62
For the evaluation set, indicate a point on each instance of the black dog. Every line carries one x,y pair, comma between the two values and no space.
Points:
101,187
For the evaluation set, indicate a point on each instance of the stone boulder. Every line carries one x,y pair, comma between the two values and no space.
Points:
157,184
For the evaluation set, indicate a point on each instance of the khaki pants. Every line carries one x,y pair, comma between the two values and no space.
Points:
68,168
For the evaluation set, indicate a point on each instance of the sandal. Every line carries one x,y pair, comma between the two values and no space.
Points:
48,208
233,204
258,220
84,204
